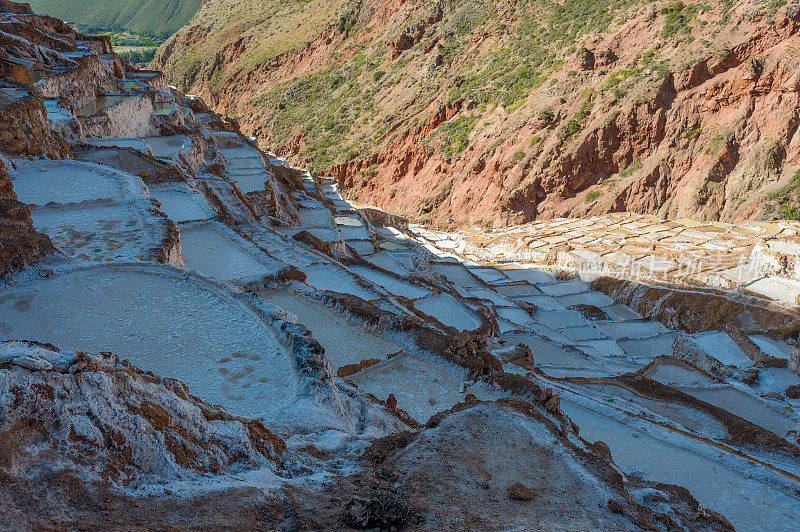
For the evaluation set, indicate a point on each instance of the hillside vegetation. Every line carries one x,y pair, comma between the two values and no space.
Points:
154,18
495,112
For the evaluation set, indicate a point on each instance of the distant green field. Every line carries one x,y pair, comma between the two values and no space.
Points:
149,18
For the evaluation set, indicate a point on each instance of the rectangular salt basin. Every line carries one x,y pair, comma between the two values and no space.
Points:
344,343
559,319
632,329
122,232
421,389
331,277
517,291
42,182
771,347
394,285
250,182
586,298
213,250
573,286
779,289
649,348
547,353
488,275
529,275
457,274
182,204
168,147
448,310
365,247
490,295
720,346
543,302
744,406
514,315
582,333
318,217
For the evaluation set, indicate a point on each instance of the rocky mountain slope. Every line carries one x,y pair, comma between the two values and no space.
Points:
496,112
210,338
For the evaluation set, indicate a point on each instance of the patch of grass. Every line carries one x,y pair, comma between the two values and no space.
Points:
678,18
694,133
518,156
592,196
630,169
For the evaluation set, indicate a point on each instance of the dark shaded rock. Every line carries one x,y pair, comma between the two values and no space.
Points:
793,392
377,510
519,492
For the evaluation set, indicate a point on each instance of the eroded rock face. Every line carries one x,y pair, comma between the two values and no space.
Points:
20,243
107,423
699,127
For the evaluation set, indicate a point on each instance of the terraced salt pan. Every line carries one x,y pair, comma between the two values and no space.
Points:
394,285
529,275
457,274
214,250
55,112
586,298
542,302
563,288
136,144
391,245
354,233
744,406
363,247
772,347
518,291
320,217
422,389
677,375
649,348
168,147
514,315
162,320
348,221
449,311
582,334
38,182
720,346
122,232
182,204
560,319
490,295
488,275
323,233
344,343
250,182
679,415
393,261
631,329
747,502
330,277
549,354
782,290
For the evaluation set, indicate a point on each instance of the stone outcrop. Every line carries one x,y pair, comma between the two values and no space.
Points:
20,244
113,424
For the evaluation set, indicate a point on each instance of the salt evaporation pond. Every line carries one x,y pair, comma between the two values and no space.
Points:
748,503
176,325
344,343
